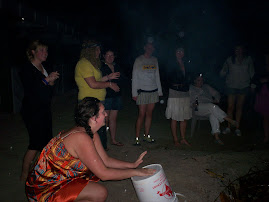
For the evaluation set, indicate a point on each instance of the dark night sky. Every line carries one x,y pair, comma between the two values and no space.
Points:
243,15
211,27
247,18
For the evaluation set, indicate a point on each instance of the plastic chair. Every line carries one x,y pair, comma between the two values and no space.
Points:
194,120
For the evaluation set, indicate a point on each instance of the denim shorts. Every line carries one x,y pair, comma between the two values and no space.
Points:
235,91
113,103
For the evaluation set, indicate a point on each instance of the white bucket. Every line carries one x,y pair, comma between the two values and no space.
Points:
155,187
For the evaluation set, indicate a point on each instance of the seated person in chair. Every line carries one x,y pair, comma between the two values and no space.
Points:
204,99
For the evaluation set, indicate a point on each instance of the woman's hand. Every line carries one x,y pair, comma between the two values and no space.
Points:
140,159
114,87
114,75
178,85
145,172
264,80
53,76
194,105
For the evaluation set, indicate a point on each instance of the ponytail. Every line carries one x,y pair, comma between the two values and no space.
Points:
85,110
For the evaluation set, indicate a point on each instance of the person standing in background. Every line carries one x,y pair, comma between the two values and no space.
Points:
239,70
261,105
178,105
89,79
113,100
36,104
146,89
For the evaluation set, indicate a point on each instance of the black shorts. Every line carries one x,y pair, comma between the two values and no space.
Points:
236,91
113,103
39,127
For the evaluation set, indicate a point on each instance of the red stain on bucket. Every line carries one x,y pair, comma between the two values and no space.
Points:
155,187
167,191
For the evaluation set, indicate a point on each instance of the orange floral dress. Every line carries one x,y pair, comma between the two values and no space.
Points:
57,176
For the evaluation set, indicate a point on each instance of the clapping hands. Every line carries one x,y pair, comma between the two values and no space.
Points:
52,77
114,75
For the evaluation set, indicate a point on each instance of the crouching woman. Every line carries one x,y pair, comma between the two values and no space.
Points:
72,163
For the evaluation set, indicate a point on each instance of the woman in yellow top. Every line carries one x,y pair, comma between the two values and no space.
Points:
89,78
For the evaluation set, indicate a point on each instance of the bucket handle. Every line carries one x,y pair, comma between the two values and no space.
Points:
178,194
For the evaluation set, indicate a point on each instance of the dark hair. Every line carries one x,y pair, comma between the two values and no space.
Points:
107,49
196,75
86,109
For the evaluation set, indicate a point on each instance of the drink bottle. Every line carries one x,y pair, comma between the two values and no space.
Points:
196,104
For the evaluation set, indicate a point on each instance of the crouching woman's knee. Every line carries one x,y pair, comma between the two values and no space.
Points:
103,193
93,192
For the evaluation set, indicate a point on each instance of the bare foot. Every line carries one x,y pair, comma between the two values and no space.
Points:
177,144
117,144
184,141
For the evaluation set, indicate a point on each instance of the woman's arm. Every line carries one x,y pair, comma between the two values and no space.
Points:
112,162
52,77
251,70
105,78
135,80
158,80
111,76
100,84
32,81
213,92
83,147
193,94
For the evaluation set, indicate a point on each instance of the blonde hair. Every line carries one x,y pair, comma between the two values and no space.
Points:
88,52
33,46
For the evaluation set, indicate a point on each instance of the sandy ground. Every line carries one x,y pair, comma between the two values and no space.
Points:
184,167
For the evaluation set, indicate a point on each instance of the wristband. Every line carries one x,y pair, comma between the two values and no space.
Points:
44,80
